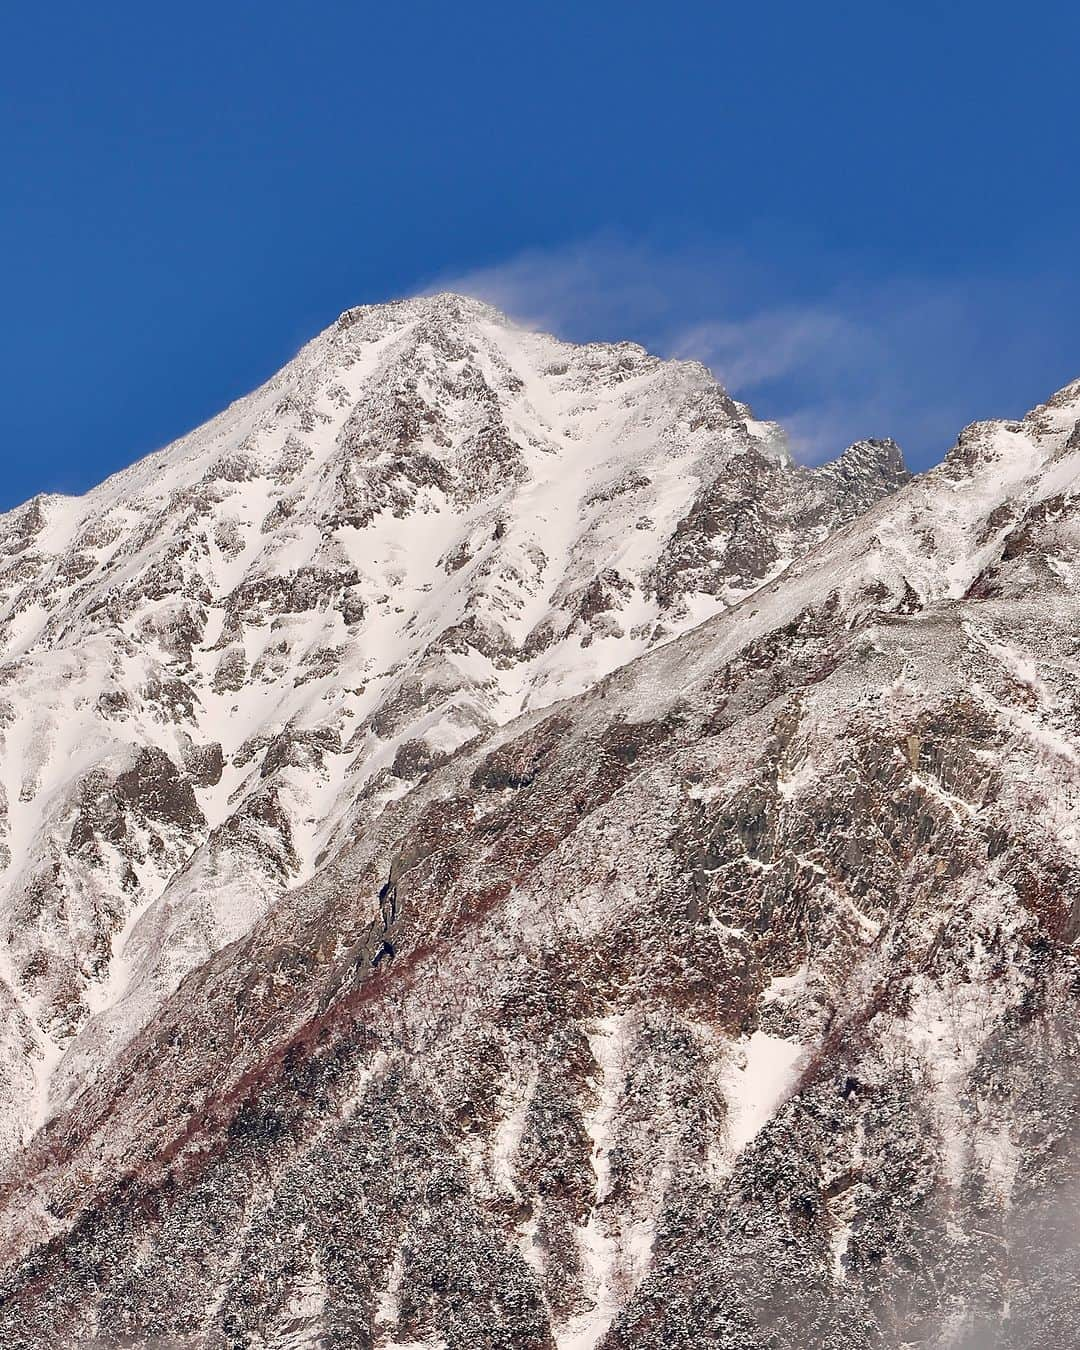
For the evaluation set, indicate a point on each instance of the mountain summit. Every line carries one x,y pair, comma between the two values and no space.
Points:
427,523
496,854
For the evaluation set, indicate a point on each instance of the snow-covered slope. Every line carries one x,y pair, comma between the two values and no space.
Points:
657,936
428,522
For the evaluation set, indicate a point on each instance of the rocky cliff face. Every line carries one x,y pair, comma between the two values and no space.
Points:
498,856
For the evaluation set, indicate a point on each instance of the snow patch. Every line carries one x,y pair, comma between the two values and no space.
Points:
761,1070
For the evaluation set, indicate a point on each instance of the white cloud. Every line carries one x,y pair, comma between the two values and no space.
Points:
592,285
749,352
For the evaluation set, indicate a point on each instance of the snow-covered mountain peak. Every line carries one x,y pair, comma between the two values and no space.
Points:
221,660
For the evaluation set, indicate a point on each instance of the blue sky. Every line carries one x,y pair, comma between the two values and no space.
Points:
864,216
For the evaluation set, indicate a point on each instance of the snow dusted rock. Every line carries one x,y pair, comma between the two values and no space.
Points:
545,931
219,661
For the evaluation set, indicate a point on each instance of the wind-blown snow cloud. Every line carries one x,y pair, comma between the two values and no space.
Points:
907,358
769,346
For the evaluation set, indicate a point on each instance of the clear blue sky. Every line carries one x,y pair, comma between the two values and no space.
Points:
867,212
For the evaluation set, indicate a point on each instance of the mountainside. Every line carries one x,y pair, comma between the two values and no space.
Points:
222,659
496,855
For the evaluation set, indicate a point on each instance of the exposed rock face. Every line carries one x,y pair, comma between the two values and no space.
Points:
369,999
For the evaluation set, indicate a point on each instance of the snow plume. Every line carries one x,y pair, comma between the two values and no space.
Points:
910,358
